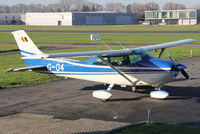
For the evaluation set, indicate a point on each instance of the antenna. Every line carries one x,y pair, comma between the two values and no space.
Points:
121,45
107,46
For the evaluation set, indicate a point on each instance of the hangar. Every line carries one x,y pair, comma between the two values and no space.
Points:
173,17
81,18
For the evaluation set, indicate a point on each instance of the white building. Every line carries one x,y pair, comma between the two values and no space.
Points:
82,18
10,18
173,17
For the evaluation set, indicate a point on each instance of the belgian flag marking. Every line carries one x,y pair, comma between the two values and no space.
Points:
24,39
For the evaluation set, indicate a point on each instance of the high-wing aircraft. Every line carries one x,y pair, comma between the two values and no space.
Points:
128,67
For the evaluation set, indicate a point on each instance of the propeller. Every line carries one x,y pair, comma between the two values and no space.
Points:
179,67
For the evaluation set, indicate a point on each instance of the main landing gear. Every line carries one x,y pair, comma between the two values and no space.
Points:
159,94
103,95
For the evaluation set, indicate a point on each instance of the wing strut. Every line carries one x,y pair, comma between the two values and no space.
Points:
161,53
117,70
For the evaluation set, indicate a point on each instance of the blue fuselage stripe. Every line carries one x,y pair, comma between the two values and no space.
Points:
27,52
70,67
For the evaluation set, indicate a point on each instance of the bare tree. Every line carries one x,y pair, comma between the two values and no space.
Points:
173,6
94,7
63,5
115,7
129,8
140,10
53,8
35,7
151,6
196,7
72,5
4,9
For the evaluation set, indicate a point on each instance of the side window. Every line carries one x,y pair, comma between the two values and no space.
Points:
120,61
135,58
116,61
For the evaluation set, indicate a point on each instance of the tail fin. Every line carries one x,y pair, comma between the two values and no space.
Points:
25,44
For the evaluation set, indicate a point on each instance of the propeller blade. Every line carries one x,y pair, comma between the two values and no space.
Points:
185,74
172,59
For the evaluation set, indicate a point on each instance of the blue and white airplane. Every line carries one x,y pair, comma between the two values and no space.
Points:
128,67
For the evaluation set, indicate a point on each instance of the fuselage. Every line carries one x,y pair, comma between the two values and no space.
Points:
145,72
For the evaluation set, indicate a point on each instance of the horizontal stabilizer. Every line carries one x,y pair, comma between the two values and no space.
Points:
26,68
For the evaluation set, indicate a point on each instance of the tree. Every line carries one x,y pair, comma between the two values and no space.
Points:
53,8
61,6
4,9
115,7
140,10
85,8
72,5
151,6
129,8
36,7
196,7
173,6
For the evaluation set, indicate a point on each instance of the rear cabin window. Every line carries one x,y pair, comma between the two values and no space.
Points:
100,62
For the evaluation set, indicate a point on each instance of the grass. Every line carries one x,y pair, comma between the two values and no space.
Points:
110,38
9,48
159,129
18,79
103,28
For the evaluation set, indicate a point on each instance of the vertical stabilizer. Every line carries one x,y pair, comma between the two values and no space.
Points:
25,44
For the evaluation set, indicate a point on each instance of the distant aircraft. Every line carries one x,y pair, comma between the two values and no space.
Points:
128,67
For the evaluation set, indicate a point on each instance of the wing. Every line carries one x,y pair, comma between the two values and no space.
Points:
170,44
112,52
27,68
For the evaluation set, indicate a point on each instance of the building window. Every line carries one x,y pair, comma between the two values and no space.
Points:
149,15
182,15
6,17
171,21
155,15
171,15
193,14
155,22
164,14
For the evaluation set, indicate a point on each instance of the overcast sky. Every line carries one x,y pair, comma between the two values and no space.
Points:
188,3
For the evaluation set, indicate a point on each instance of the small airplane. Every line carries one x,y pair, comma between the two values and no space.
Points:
127,67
